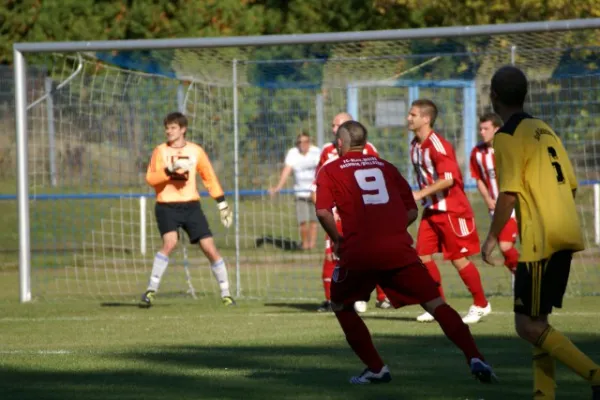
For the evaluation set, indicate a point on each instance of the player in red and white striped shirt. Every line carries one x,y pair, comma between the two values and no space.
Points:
328,154
448,224
483,169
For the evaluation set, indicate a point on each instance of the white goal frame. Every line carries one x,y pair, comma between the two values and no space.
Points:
20,49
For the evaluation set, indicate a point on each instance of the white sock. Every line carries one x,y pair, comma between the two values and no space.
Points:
220,272
158,269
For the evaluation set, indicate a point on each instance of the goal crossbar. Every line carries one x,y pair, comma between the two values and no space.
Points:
310,38
20,75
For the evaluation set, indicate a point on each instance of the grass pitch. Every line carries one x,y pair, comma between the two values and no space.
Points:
187,349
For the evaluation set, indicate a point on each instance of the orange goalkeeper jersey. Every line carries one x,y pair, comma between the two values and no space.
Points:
175,191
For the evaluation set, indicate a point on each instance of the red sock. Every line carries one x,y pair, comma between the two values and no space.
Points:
511,259
380,293
435,274
359,338
457,331
327,288
328,267
471,278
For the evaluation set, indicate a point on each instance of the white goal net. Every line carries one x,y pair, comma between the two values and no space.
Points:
94,118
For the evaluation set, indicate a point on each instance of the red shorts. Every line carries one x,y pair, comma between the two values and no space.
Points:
403,286
509,232
440,232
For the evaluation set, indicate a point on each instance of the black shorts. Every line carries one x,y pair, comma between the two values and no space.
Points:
541,285
189,216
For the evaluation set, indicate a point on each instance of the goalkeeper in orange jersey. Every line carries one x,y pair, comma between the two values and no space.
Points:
172,173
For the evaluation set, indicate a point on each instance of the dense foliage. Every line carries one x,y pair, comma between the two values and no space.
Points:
58,20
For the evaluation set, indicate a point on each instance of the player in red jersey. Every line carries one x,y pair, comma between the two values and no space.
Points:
377,206
483,169
330,150
448,223
330,153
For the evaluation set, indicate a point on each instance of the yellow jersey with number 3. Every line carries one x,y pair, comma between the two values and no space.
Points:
532,163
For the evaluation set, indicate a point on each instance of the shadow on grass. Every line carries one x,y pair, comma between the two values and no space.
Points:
117,304
390,317
423,368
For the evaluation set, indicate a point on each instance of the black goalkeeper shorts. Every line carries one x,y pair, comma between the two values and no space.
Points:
188,215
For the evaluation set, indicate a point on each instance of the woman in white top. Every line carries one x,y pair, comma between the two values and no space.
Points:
302,160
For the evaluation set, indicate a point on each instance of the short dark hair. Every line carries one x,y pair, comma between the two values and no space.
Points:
427,107
509,84
301,135
176,118
356,131
493,118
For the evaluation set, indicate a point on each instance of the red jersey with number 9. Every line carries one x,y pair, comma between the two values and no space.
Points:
372,199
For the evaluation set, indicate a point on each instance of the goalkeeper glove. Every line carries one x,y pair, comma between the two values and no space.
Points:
179,170
226,215
179,164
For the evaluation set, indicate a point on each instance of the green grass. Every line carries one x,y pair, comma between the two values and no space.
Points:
91,248
186,349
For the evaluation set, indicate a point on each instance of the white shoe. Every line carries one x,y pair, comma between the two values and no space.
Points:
369,377
482,372
425,317
360,306
476,313
384,305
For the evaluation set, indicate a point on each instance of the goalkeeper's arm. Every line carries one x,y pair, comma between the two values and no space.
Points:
208,176
210,181
157,173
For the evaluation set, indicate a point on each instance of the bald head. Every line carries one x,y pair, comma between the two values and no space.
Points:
509,87
351,135
338,120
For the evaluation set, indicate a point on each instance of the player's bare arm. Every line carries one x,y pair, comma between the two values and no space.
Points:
285,174
328,223
412,211
504,208
491,204
437,186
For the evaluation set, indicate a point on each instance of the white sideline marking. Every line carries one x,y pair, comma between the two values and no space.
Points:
40,352
102,352
388,313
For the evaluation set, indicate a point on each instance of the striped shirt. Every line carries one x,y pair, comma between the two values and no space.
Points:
435,159
483,168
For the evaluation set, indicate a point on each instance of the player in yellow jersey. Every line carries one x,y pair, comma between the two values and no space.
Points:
172,173
536,178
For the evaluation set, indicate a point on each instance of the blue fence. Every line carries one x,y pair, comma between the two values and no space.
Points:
257,193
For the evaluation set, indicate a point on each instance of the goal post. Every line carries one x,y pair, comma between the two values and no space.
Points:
246,99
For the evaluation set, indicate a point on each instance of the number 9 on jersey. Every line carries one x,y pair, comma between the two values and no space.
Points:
372,180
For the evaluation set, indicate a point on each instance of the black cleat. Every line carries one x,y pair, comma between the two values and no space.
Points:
325,307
